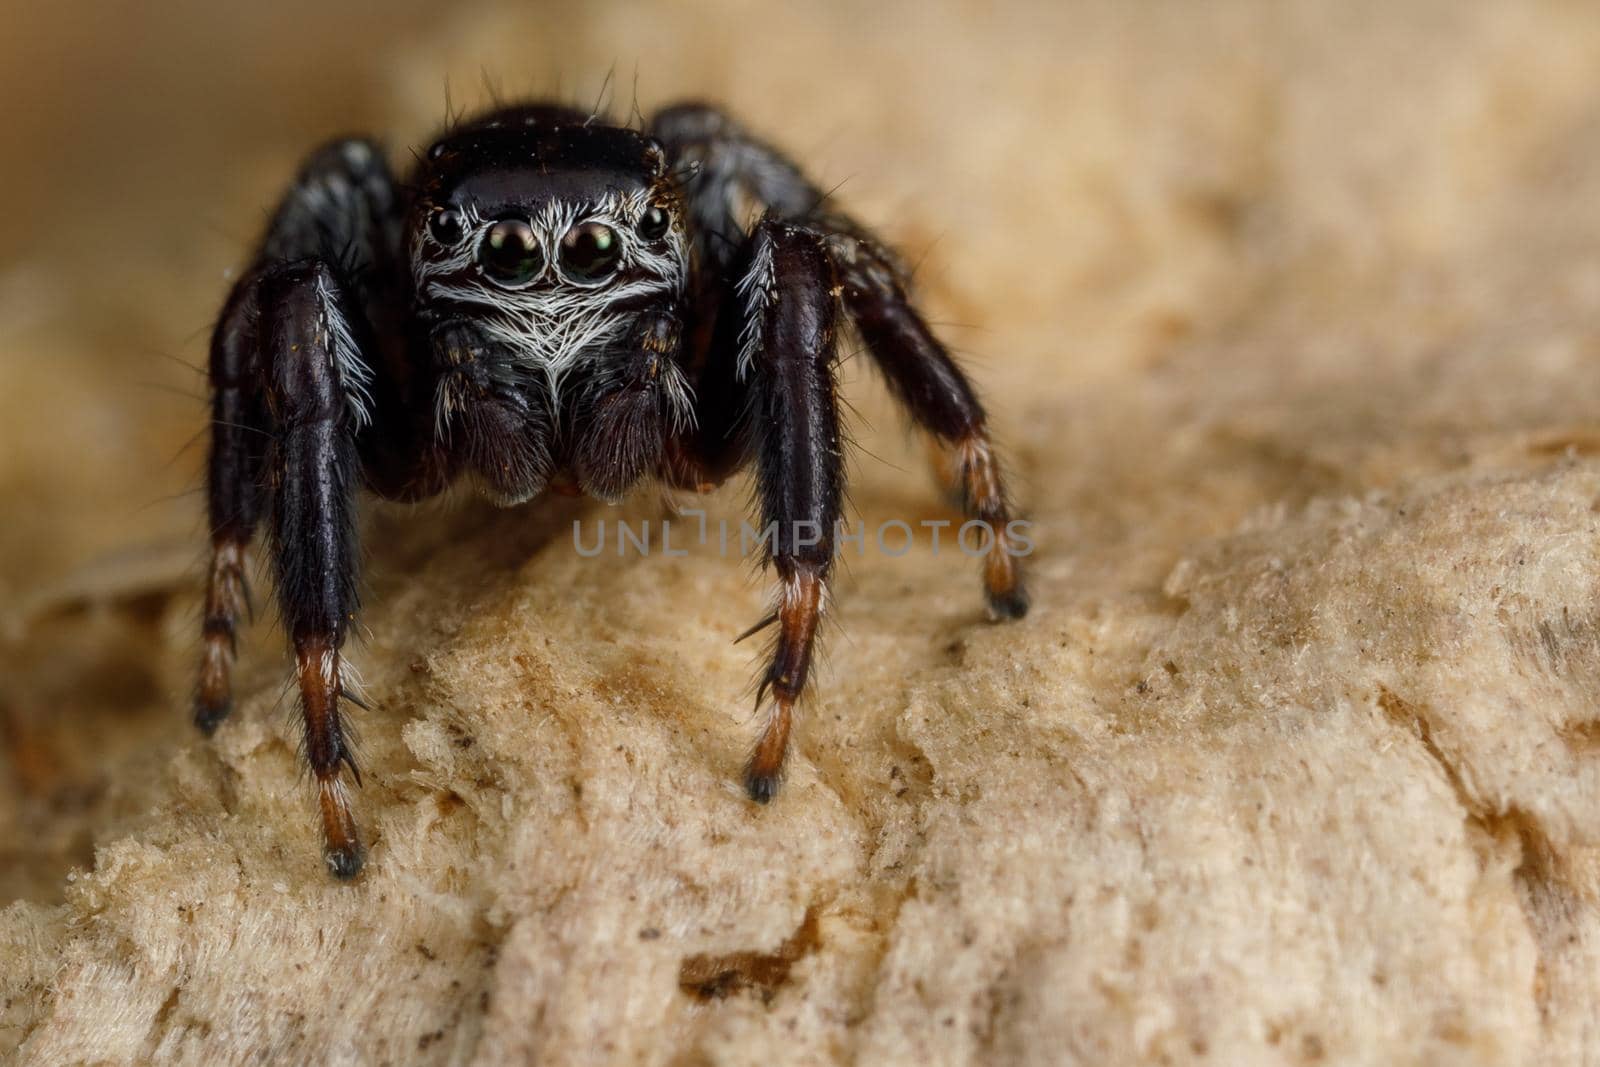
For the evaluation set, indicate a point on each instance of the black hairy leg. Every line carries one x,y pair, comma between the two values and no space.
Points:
289,388
340,208
788,357
234,476
768,397
775,401
314,405
939,398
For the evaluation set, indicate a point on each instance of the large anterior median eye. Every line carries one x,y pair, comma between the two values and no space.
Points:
590,251
510,252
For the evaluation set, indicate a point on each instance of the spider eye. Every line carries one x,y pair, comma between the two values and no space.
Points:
654,222
446,226
510,252
590,251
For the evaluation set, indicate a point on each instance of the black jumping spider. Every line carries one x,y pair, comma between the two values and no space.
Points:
553,302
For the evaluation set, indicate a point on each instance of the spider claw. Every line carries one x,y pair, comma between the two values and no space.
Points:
349,760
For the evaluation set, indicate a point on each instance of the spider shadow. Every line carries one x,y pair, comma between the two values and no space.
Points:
487,542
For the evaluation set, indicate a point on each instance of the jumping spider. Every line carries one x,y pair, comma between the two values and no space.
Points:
554,302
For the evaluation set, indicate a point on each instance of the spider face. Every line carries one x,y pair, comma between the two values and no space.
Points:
538,245
541,206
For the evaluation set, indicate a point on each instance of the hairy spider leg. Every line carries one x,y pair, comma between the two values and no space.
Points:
291,385
238,449
314,473
925,379
730,169
788,355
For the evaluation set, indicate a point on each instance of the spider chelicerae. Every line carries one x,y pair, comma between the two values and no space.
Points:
555,302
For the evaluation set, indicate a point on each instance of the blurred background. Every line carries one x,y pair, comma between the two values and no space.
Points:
1131,219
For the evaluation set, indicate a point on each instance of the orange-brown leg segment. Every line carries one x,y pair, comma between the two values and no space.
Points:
984,499
227,598
318,671
799,612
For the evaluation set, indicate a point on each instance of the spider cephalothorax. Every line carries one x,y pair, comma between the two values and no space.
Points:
553,300
545,243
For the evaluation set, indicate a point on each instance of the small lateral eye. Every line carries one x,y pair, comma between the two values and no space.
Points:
510,252
447,226
590,251
652,225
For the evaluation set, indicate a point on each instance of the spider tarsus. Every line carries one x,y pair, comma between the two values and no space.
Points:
344,861
1003,584
760,786
763,774
1007,604
208,716
327,751
213,698
342,849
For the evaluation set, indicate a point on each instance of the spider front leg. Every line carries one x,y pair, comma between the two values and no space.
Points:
787,357
340,208
313,379
290,378
289,396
